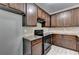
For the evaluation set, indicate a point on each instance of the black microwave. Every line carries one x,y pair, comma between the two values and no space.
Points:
38,32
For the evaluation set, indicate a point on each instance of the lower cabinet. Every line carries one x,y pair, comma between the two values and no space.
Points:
78,44
37,49
57,39
32,47
66,41
69,42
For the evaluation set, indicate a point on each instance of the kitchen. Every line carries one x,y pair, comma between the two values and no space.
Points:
47,29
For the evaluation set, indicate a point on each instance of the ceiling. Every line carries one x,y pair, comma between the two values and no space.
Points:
52,8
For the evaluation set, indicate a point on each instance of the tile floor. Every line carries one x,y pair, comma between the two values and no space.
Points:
55,50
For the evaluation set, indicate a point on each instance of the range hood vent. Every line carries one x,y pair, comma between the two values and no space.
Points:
39,20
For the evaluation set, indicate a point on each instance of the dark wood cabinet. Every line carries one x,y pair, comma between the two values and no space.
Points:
18,6
66,41
60,20
78,44
39,13
43,15
31,14
69,18
32,47
53,20
57,39
37,47
69,42
75,16
5,4
47,20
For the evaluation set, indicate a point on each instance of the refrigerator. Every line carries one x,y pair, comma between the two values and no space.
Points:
10,33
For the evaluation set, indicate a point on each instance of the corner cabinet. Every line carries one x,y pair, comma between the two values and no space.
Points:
31,19
66,41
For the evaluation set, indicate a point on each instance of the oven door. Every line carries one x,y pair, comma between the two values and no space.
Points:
46,43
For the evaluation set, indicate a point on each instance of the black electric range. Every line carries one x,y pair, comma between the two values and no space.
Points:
46,39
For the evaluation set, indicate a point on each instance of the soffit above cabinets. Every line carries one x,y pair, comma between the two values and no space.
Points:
52,8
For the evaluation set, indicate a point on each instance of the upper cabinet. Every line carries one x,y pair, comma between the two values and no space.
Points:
6,4
76,16
18,6
67,18
53,20
47,20
46,17
60,21
31,14
39,13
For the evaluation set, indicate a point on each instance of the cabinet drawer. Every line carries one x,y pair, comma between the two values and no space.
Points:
70,37
37,49
36,41
56,36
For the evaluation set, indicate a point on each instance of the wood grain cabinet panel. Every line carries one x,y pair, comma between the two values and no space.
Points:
47,20
60,19
76,16
43,15
57,39
69,42
53,20
32,47
66,41
31,14
39,13
18,6
67,17
37,47
78,44
6,4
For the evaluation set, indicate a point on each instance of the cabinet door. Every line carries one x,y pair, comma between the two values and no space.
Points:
57,39
53,20
6,4
66,41
31,14
76,16
68,20
39,13
47,20
43,15
78,44
18,6
69,42
37,47
60,19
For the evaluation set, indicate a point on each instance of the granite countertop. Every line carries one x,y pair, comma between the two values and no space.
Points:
34,37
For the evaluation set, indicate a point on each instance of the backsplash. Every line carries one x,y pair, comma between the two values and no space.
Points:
30,30
66,28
